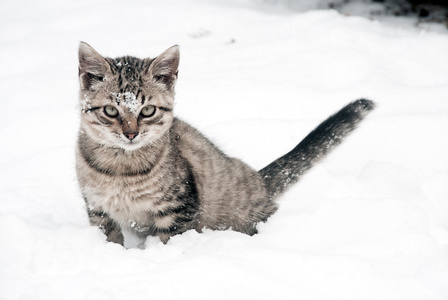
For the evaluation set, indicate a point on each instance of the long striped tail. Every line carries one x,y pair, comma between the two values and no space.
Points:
288,169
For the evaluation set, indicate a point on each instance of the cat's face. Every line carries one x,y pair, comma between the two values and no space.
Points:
126,102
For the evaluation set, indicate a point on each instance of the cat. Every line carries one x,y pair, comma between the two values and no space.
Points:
142,169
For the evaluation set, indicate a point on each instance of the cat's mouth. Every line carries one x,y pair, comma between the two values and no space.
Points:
130,145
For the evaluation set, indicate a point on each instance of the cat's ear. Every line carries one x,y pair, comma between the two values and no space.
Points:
164,68
92,66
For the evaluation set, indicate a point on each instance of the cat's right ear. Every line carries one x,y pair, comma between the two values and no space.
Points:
92,66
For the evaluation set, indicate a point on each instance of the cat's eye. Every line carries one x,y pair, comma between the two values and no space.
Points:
148,111
111,111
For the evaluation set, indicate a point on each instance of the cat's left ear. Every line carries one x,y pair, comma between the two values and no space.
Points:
164,68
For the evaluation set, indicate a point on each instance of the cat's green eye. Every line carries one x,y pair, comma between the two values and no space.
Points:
148,111
111,111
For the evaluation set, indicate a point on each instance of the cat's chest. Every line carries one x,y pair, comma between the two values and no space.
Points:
129,200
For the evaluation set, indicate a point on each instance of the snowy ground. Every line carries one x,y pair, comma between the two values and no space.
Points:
371,222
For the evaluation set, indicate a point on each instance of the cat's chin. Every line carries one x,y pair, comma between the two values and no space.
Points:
130,146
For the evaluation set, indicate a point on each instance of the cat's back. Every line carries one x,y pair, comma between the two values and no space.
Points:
205,157
199,151
225,185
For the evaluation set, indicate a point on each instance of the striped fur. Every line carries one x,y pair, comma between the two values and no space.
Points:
158,176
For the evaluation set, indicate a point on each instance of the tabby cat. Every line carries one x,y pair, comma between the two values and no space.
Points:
144,170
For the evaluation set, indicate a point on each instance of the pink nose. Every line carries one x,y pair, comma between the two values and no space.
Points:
131,135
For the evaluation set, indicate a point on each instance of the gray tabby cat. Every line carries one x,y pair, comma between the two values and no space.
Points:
142,169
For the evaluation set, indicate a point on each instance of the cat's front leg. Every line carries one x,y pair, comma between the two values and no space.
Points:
107,225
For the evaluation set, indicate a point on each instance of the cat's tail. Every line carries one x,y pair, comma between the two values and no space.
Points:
288,169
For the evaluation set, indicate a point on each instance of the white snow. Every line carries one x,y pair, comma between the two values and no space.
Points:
117,96
370,222
129,101
85,104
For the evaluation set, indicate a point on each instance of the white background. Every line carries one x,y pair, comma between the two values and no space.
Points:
370,222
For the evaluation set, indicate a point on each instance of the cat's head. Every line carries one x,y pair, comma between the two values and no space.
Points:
126,102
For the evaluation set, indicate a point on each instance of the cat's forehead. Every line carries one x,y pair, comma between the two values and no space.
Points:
128,70
128,85
130,100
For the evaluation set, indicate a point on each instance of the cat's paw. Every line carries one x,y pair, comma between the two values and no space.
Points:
115,236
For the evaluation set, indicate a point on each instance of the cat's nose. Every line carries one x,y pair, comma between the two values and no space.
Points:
131,135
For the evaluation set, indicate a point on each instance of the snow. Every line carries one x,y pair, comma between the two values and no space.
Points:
370,222
85,104
130,100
